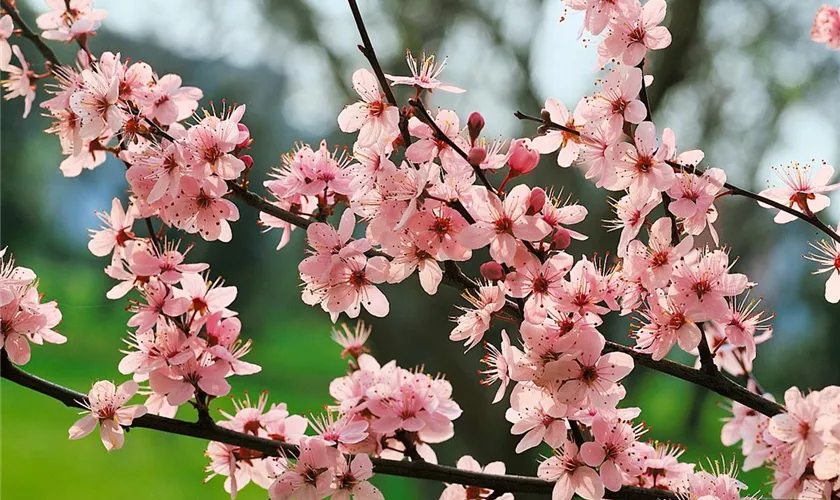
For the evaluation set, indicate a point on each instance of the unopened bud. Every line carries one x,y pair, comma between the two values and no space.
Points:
536,201
561,239
492,271
476,155
523,158
244,135
545,115
475,123
247,160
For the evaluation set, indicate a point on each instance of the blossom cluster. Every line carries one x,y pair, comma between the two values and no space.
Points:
25,319
381,411
802,444
185,341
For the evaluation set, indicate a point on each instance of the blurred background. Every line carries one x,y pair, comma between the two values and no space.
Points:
742,81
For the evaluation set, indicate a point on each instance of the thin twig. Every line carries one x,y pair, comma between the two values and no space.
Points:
367,50
212,432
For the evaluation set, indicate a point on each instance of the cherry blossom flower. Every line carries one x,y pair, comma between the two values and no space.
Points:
180,382
636,31
460,492
796,426
212,141
501,223
667,323
73,20
310,476
618,101
168,102
570,475
116,232
693,198
352,285
703,285
632,211
827,255
475,322
498,362
655,261
614,450
663,468
7,26
642,167
826,27
536,415
596,139
206,298
201,208
589,375
18,83
353,479
566,142
96,105
429,146
106,404
373,117
802,192
426,76
540,283
343,430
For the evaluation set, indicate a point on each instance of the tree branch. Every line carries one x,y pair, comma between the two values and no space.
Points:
734,190
27,32
367,50
212,432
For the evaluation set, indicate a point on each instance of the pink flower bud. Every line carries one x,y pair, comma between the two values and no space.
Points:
476,155
244,135
247,160
561,239
492,271
523,157
536,201
475,123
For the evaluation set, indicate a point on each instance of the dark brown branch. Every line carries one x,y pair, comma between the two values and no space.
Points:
734,190
367,50
212,432
714,381
426,118
27,32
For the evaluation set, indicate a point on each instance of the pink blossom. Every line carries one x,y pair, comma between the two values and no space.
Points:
116,232
796,426
352,284
538,416
589,375
567,143
168,102
802,192
353,479
167,265
826,27
460,492
636,31
666,323
655,261
426,76
618,101
310,476
18,83
352,342
614,450
96,105
475,322
642,167
213,140
437,231
206,298
693,198
429,146
632,211
704,284
501,223
73,20
827,255
201,208
161,301
180,382
106,404
583,291
7,26
540,282
570,475
498,362
341,430
373,117
410,258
